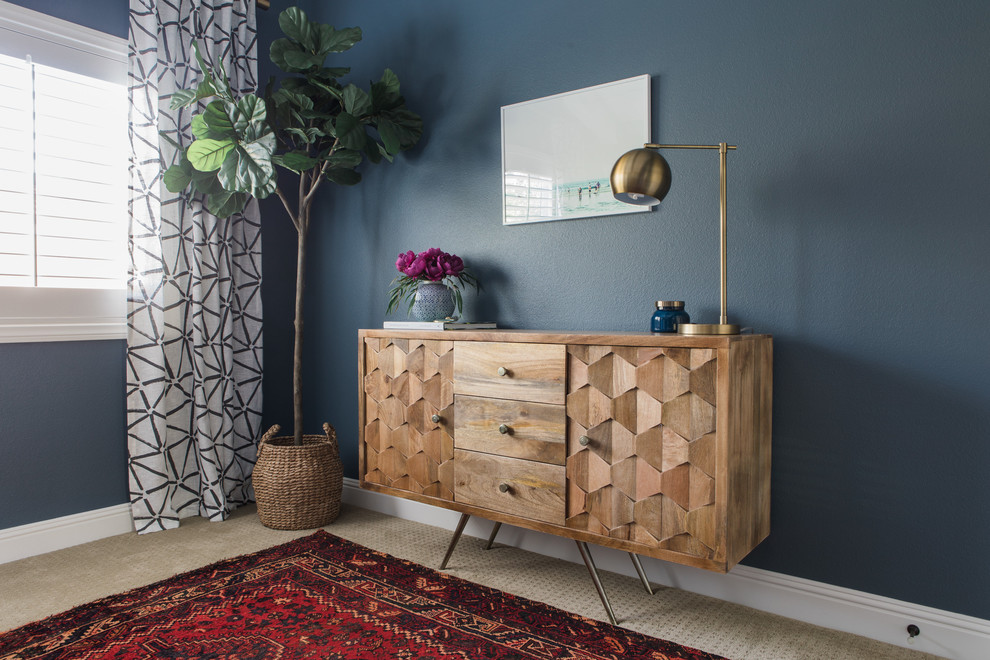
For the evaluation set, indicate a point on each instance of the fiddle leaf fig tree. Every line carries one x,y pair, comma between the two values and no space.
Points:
311,125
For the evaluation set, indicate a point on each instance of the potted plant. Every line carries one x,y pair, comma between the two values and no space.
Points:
431,282
319,130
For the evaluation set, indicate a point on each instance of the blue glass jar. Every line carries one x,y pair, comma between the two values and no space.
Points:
669,314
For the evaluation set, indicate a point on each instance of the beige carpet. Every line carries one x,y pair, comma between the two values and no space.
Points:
36,587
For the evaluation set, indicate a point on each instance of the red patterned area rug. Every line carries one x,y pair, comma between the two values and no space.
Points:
325,597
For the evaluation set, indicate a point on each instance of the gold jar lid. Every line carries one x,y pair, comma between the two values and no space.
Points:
670,304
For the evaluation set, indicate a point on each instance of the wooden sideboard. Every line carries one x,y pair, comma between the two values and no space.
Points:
654,444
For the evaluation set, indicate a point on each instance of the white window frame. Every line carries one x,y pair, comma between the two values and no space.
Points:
34,314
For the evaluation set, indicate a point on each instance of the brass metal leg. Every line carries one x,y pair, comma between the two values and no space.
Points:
491,539
453,541
642,574
590,563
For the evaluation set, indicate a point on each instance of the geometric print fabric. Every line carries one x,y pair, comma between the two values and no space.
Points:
194,341
646,472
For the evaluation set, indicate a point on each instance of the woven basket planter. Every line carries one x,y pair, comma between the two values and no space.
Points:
298,487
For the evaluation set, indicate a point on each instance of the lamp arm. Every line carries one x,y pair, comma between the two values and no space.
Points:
688,146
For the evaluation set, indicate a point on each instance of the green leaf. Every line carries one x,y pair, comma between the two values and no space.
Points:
218,121
207,155
205,182
176,178
343,176
277,52
299,60
319,114
356,100
389,133
248,168
349,131
205,89
297,26
199,128
181,98
371,149
294,98
335,41
248,112
329,89
384,152
187,97
385,92
309,135
297,161
218,83
408,126
344,158
225,203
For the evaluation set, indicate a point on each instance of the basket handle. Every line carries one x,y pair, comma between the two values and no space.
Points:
269,434
328,429
331,435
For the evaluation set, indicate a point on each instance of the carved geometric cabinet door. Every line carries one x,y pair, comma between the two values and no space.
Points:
642,445
407,384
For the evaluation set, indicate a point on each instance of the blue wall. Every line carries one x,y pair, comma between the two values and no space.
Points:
62,415
858,238
62,439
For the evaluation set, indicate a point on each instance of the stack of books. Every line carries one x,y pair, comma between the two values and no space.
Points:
437,325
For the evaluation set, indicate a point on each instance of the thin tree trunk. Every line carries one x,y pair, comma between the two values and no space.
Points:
297,356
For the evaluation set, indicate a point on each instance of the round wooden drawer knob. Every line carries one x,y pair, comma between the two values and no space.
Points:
503,429
435,419
503,488
502,371
584,441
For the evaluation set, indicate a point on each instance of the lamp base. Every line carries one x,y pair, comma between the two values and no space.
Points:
708,329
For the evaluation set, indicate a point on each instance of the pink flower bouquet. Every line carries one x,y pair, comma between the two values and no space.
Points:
433,265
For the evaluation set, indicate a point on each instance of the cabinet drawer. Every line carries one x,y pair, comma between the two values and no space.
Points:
531,489
526,372
520,429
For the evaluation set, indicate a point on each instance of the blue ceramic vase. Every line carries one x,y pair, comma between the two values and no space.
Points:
434,301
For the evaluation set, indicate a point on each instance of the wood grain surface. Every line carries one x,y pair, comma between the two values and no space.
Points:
533,431
530,372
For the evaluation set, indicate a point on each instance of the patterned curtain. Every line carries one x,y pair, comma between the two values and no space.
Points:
194,297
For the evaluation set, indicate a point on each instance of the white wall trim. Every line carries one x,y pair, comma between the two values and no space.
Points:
943,633
21,333
17,21
32,314
57,533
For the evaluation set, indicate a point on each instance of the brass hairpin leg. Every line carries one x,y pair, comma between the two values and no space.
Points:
642,574
590,563
453,541
491,539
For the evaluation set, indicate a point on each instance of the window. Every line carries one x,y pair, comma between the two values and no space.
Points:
63,179
529,197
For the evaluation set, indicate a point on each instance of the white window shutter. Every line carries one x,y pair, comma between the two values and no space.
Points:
16,174
63,179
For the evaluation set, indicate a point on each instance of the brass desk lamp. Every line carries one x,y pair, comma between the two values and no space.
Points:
642,176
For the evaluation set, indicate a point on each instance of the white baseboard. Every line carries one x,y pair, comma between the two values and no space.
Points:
57,533
944,634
